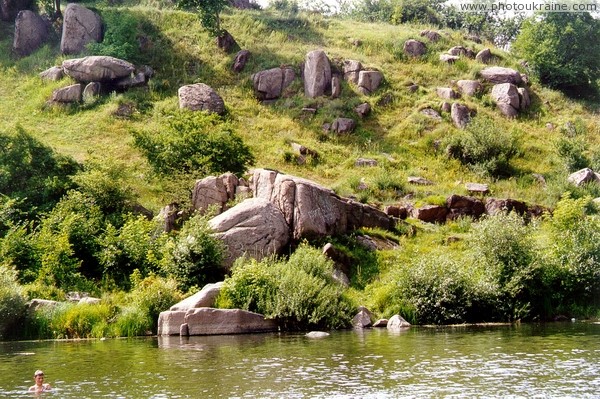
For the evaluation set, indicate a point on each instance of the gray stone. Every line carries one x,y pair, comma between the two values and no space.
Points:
362,319
445,106
352,69
369,81
88,300
241,58
97,68
494,206
363,110
446,93
501,75
317,74
204,298
169,322
91,91
210,321
317,334
381,323
336,86
484,56
432,35
525,100
469,87
80,27
478,188
396,323
36,304
361,162
343,125
209,192
271,83
69,94
137,79
449,59
460,114
200,97
582,177
255,228
9,9
54,73
459,206
414,48
431,113
507,99
31,32
421,181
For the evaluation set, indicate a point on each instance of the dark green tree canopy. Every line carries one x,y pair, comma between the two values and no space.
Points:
562,49
209,12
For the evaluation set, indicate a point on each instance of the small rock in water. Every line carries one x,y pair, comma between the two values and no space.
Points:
317,334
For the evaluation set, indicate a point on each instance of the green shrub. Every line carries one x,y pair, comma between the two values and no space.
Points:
12,300
571,152
484,147
196,143
150,296
194,257
32,172
561,49
19,249
131,322
138,244
120,36
298,294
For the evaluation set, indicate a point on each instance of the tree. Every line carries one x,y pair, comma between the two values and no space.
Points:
562,49
209,11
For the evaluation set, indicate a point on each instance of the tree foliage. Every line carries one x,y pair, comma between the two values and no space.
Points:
562,49
209,12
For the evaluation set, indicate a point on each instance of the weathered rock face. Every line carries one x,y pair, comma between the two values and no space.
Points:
97,68
169,322
477,188
525,100
469,87
363,110
397,323
270,84
31,32
362,319
494,206
501,75
200,97
226,42
91,90
369,81
461,51
80,27
414,48
69,94
583,176
484,56
446,93
459,206
9,9
312,210
432,35
255,227
207,192
336,86
202,299
241,58
449,59
317,74
460,115
352,69
209,321
507,99
343,125
53,73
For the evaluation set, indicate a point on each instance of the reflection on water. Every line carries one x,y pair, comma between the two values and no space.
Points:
528,361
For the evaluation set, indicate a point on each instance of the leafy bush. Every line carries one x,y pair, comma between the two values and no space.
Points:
209,12
484,147
138,244
299,293
120,36
194,257
32,172
503,245
12,301
571,152
561,49
197,143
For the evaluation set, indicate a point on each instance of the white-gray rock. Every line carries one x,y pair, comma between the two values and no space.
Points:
31,32
210,321
501,75
53,73
97,68
210,191
396,323
80,27
205,298
69,94
583,176
271,83
469,87
460,114
352,69
317,74
507,99
414,48
369,81
200,97
317,334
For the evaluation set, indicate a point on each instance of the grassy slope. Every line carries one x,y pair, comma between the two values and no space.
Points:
396,135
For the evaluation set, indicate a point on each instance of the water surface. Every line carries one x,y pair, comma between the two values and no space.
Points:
526,361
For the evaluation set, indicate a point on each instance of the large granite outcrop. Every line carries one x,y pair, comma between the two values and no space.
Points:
211,321
97,68
271,83
80,27
317,74
31,31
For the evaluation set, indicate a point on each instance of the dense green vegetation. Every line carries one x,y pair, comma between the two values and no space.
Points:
75,180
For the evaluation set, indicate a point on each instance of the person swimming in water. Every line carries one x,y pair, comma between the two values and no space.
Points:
39,386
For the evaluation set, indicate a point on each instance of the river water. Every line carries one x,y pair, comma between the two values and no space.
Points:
557,360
